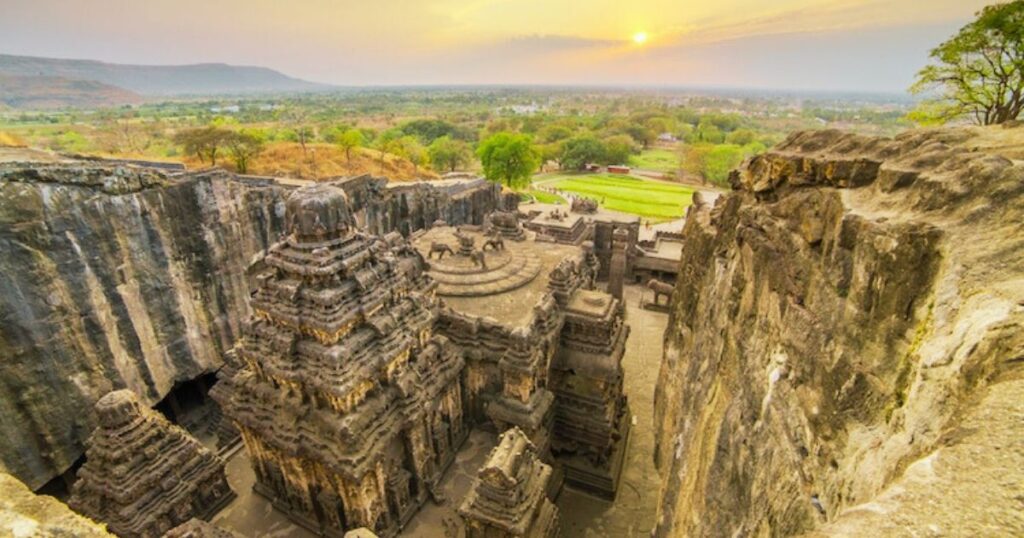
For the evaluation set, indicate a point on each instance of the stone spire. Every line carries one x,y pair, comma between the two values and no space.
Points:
144,475
348,404
509,498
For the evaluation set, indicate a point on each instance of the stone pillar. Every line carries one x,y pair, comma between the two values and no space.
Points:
617,269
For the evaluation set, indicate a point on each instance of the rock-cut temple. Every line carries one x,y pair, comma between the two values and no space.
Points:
365,364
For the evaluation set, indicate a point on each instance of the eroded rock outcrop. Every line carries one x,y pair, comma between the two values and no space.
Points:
847,329
114,277
23,513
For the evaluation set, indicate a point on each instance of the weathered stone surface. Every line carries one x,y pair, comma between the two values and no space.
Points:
834,319
349,405
509,495
143,475
197,528
24,514
113,277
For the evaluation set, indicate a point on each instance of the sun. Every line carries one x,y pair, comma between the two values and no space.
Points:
640,38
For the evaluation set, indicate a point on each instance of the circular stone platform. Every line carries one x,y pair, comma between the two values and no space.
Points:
457,276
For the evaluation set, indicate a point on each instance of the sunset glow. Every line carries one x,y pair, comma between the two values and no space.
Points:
492,41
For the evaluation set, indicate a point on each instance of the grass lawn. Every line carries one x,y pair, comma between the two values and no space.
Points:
649,199
541,196
657,159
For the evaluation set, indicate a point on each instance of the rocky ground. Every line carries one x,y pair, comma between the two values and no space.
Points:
845,343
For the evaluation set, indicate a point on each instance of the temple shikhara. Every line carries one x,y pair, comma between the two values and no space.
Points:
349,404
143,475
508,497
369,359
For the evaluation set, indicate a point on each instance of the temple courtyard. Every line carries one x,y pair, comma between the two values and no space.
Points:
582,515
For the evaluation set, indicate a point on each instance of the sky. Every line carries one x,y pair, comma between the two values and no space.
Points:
847,45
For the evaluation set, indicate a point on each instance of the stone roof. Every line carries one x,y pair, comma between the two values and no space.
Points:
144,475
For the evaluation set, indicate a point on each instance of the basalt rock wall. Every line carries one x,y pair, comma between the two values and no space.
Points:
845,328
114,277
409,207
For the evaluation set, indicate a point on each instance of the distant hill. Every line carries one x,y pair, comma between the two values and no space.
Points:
161,80
47,92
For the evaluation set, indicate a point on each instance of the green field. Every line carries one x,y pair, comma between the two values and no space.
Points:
541,196
658,159
654,200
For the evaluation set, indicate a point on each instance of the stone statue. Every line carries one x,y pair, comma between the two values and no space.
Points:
584,205
496,242
660,288
441,249
478,258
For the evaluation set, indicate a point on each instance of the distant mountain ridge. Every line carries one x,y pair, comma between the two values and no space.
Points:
47,92
161,80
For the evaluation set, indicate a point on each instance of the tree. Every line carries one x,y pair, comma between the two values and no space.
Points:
509,159
714,162
243,146
979,72
447,154
428,130
645,136
618,148
203,142
349,140
413,151
579,151
386,143
741,137
706,132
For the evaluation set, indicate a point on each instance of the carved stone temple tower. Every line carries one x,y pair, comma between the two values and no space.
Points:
143,475
508,498
348,404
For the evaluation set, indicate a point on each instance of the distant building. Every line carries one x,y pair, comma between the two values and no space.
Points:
618,169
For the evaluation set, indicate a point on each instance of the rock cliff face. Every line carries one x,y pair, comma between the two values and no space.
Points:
114,277
845,345
23,513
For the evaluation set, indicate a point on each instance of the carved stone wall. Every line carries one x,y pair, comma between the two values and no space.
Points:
509,495
143,475
348,403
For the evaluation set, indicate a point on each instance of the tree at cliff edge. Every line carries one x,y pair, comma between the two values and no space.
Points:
979,72
509,159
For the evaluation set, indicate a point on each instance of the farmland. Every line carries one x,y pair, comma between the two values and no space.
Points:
655,200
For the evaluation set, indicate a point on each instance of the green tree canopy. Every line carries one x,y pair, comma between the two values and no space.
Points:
349,140
618,148
579,151
413,151
428,130
447,154
243,146
203,142
509,159
979,72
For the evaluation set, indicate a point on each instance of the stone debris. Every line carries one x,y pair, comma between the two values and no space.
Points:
143,475
509,494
